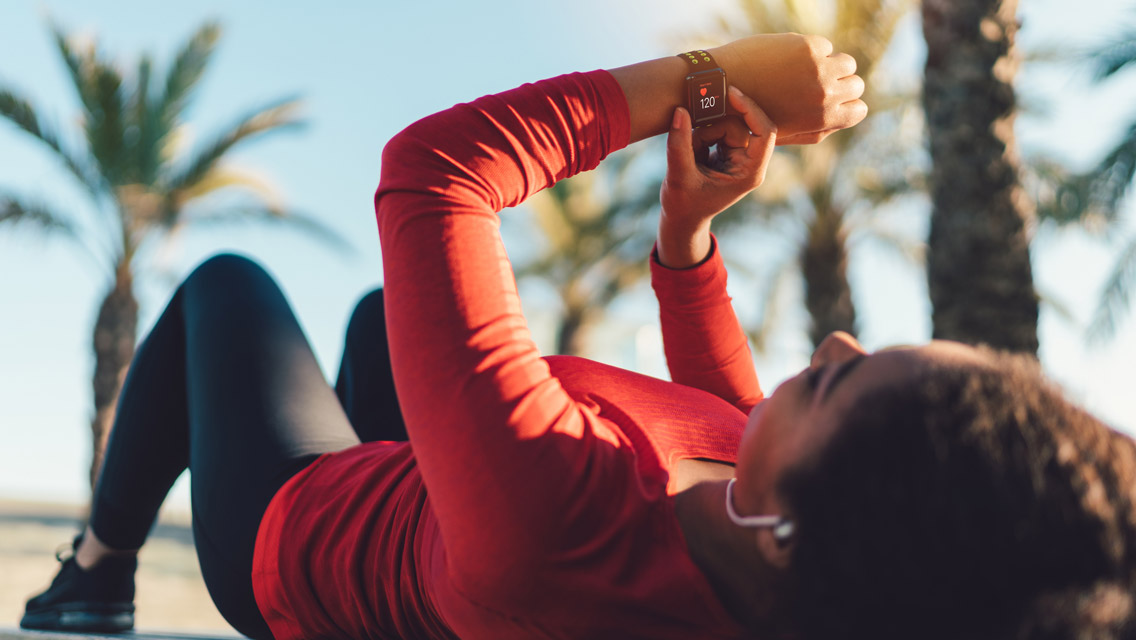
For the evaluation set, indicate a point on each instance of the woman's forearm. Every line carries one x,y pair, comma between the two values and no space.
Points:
798,80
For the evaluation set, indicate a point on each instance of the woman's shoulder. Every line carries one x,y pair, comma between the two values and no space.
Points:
679,421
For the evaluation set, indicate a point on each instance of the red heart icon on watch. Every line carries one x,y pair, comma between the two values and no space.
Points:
702,90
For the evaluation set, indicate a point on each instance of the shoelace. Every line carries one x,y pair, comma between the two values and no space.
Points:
65,552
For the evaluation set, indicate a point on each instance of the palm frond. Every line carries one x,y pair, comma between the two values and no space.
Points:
1091,199
99,88
1115,299
761,18
1112,177
230,178
260,213
1059,195
864,29
912,251
1051,301
78,65
770,307
277,116
880,188
1032,103
552,216
106,122
1048,53
540,268
804,14
139,101
173,206
142,139
595,229
14,211
21,113
894,100
619,276
184,74
1114,56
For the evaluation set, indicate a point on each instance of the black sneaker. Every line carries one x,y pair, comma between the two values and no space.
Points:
101,599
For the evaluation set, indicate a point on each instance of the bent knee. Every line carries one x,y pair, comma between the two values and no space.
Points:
367,316
227,270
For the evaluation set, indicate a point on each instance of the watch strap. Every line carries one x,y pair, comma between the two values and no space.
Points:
699,60
703,75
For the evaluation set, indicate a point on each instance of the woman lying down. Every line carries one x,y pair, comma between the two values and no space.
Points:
459,485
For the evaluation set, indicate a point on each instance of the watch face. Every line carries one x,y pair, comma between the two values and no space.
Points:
707,95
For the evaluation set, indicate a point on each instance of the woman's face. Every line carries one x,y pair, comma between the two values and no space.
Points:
804,411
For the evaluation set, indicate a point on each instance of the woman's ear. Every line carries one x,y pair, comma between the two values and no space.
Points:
776,552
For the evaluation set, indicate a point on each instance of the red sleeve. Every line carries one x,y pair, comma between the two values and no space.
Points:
504,452
703,341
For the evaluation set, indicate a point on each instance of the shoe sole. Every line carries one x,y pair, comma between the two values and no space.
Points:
82,616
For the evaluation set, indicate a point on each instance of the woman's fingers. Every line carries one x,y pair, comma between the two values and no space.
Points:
680,146
819,44
851,113
755,118
843,92
850,88
731,131
852,109
843,65
763,133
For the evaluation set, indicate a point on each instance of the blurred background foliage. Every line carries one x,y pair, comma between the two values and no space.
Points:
861,189
1092,199
821,200
142,181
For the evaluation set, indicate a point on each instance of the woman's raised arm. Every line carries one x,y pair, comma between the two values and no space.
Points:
496,438
807,89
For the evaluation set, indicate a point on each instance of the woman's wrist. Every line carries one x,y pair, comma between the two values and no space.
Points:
653,89
678,246
797,80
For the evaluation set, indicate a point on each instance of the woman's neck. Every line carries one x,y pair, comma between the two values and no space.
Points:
728,556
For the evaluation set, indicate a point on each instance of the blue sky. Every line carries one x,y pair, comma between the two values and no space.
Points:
370,68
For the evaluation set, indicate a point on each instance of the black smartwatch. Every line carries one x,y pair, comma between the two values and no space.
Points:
705,88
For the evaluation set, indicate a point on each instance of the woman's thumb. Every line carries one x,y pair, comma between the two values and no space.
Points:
680,145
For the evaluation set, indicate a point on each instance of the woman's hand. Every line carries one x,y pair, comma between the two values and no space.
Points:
804,86
701,182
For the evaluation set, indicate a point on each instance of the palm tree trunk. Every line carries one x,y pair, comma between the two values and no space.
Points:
115,332
824,265
978,267
569,335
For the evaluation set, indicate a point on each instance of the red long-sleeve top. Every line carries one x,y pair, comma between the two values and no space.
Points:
533,500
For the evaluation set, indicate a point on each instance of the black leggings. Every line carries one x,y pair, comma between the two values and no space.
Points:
227,385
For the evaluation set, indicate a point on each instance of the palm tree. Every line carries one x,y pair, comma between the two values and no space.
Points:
598,228
1093,199
141,188
826,195
596,231
978,271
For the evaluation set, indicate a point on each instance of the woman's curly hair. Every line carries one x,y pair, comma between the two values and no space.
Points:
968,502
